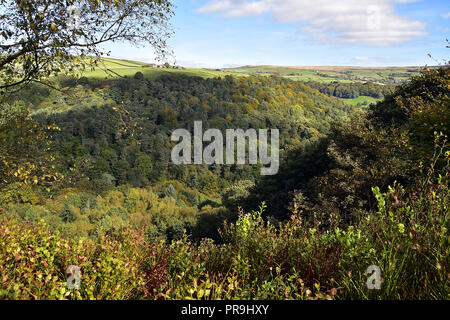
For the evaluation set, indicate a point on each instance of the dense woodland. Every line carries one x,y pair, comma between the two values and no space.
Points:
352,90
113,140
86,179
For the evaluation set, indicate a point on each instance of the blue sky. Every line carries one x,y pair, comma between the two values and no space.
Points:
224,33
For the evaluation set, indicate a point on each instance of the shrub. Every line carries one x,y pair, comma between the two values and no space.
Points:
33,263
139,76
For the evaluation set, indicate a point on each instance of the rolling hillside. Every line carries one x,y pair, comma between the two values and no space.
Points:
333,73
115,68
109,68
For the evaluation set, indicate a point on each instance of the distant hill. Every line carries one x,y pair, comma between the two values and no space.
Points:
383,77
391,75
116,68
109,67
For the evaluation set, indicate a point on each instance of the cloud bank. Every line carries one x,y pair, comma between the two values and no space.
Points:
356,22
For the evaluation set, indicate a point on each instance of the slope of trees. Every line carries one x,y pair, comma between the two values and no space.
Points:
371,189
406,237
116,136
332,180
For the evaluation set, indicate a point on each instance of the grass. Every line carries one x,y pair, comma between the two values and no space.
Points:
114,68
363,100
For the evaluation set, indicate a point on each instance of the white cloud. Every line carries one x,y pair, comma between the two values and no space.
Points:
368,22
236,8
367,61
446,15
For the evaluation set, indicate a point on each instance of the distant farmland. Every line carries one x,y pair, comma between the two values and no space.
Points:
108,67
392,75
117,68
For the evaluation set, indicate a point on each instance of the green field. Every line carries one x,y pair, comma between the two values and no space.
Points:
362,101
114,68
330,74
108,68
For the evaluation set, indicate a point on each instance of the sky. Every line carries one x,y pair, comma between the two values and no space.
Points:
229,33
